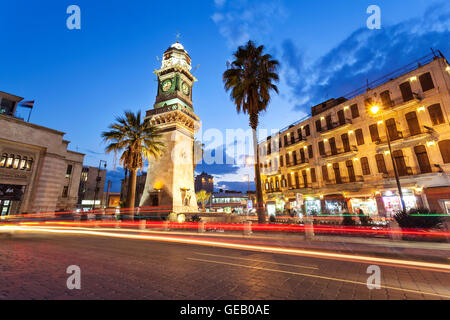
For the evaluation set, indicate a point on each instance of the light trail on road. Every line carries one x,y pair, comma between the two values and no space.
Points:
437,267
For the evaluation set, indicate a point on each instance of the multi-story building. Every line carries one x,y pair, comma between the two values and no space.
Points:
37,171
89,184
205,182
338,159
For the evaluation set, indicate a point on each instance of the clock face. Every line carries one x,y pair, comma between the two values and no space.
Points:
185,88
167,85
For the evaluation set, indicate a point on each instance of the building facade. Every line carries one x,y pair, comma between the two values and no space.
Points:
37,171
205,182
88,185
338,160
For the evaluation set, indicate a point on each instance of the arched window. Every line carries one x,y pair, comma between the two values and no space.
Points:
9,161
444,146
16,162
23,163
3,160
29,164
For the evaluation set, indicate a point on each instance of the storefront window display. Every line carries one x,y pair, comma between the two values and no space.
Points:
392,202
312,207
335,207
367,205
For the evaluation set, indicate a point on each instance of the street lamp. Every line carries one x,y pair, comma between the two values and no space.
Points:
98,179
375,110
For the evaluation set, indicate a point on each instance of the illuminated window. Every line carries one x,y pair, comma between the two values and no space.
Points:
23,163
16,162
29,164
3,160
9,161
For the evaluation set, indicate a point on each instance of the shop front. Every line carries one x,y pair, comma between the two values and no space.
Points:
10,198
392,203
368,205
334,205
312,206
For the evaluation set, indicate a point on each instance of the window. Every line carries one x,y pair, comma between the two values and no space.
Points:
69,171
355,111
329,122
294,156
3,160
392,129
305,179
288,161
313,175
422,158
373,128
386,98
281,161
321,148
365,166
350,170
285,141
65,192
299,132
277,184
302,155
23,163
307,131
289,180
345,142
333,146
413,123
400,163
426,82
337,173
359,137
297,181
16,162
9,161
406,90
292,138
381,165
325,176
444,146
310,152
341,117
283,182
29,164
436,115
318,125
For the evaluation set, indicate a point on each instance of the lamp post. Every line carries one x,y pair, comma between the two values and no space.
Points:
375,110
98,179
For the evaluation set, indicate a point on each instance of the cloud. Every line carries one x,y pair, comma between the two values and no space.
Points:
363,55
241,20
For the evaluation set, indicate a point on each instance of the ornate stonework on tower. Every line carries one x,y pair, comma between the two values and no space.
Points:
170,179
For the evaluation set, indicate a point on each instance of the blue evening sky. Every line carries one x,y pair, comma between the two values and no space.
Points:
82,79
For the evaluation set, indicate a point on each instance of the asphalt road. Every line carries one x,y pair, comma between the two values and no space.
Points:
34,267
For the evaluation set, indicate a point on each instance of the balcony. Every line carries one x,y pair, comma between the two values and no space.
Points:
397,104
407,140
294,142
303,187
299,163
274,190
340,153
344,180
336,125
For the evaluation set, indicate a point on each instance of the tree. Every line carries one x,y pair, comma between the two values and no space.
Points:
137,140
203,197
250,80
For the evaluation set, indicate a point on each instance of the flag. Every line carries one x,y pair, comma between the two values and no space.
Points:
27,104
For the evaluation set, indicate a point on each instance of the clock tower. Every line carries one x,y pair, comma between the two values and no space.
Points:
170,178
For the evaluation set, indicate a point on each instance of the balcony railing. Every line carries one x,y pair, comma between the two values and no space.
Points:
406,136
335,125
294,142
297,163
345,180
339,151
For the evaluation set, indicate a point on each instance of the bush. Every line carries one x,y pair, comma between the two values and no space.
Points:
196,219
348,220
365,220
426,220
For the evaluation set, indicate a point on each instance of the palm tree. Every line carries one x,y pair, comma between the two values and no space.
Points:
250,78
137,140
203,197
